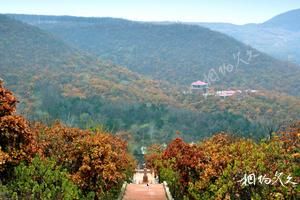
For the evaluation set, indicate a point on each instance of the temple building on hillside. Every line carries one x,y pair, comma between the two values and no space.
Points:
199,87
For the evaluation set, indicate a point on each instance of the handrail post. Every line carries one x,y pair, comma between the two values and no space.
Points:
167,191
123,189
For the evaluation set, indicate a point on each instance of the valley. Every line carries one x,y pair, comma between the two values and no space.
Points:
84,101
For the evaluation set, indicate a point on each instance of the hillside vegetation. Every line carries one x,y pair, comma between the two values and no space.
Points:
58,162
56,81
82,119
225,167
178,53
31,58
92,164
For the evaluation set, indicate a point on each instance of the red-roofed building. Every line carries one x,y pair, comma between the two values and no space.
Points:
199,87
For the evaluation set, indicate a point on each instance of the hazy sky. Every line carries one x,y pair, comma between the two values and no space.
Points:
233,11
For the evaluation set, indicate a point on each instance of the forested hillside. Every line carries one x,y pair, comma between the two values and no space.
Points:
95,105
56,81
31,60
177,53
58,162
92,164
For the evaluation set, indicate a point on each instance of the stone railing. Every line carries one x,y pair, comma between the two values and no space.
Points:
167,191
123,190
142,171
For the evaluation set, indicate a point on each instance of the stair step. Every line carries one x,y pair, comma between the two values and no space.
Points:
144,192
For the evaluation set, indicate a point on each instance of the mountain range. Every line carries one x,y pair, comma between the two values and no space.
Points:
135,77
177,53
279,36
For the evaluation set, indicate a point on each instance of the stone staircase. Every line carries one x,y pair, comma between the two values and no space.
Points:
145,187
144,192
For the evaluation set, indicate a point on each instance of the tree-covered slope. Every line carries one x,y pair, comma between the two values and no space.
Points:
31,58
177,53
56,81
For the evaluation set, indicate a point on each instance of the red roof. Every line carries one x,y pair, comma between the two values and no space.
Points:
199,83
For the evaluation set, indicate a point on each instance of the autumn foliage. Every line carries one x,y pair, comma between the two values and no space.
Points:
7,101
17,142
95,161
214,168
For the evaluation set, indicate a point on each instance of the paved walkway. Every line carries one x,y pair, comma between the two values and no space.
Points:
140,191
144,192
